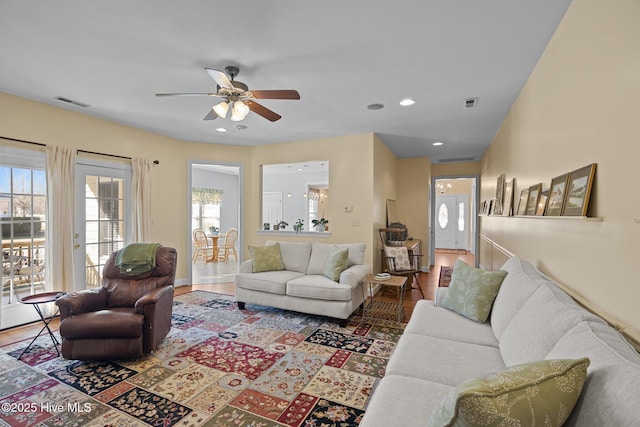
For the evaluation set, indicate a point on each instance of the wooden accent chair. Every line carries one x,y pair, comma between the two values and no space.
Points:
398,260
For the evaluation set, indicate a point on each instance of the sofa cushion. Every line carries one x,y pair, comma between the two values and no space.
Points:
274,282
319,256
521,282
336,264
266,258
318,287
472,291
432,321
537,393
441,360
295,255
356,252
536,327
403,401
610,394
400,255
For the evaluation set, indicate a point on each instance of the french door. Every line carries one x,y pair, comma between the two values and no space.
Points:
102,218
23,221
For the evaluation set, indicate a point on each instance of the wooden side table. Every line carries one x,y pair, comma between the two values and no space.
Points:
42,298
381,309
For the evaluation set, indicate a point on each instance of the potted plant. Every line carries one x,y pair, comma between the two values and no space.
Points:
320,224
214,230
299,225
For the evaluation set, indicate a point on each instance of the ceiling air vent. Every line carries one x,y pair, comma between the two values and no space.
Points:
470,102
71,101
457,159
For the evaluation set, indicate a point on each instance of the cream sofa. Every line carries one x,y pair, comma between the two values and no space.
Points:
301,286
531,319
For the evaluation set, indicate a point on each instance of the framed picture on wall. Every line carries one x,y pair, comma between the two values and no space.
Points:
579,191
534,198
557,191
497,210
542,203
507,208
522,204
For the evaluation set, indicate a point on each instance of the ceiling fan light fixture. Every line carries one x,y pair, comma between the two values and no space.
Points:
239,111
221,109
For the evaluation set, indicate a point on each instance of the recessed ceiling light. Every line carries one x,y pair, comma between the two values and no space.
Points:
438,143
407,101
222,130
375,106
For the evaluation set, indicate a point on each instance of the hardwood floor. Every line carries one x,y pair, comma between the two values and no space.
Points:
428,283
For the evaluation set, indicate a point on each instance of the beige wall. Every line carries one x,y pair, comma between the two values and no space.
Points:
350,183
414,176
33,121
385,177
579,107
351,169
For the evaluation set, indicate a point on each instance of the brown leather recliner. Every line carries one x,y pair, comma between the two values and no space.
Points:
127,317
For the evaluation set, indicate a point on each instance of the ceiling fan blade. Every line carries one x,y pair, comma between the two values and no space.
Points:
221,78
263,111
276,94
211,115
187,94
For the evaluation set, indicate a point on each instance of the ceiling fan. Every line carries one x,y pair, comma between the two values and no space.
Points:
237,97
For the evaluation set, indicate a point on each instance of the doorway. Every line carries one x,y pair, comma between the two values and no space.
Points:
453,215
215,207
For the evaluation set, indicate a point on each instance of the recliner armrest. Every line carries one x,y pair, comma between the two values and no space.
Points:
83,301
152,297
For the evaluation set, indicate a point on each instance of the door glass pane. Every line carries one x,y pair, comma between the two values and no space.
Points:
104,223
23,220
461,216
443,215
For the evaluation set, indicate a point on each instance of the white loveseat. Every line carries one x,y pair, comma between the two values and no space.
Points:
302,286
531,319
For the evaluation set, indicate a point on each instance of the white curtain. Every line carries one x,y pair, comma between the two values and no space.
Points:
60,201
141,195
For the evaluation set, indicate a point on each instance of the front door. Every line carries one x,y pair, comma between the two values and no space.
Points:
452,222
102,223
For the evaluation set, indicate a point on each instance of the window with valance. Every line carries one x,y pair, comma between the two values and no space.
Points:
206,196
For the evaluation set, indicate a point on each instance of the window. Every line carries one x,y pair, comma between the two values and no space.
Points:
461,216
23,219
205,215
443,216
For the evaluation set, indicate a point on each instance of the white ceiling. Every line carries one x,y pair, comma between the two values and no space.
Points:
340,55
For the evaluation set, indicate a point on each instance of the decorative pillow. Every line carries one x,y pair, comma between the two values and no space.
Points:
472,291
536,393
266,258
401,255
336,264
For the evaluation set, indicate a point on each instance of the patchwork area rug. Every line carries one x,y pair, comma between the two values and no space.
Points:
445,276
219,366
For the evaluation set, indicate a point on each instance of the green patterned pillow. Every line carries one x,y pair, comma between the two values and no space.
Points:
336,264
541,393
472,291
266,258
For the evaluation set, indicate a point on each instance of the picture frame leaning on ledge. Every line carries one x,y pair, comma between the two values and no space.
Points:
579,191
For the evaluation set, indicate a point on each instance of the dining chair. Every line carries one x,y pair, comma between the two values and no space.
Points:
229,246
202,247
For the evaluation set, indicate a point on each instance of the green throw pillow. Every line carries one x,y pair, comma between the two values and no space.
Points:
472,291
336,264
266,258
541,393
